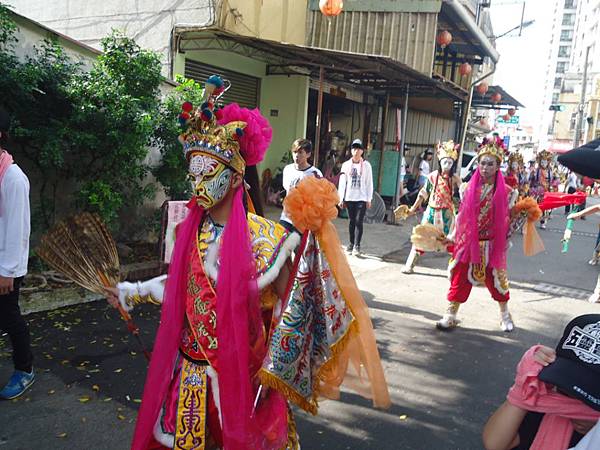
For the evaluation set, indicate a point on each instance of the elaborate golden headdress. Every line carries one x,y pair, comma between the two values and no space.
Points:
232,135
493,147
545,154
447,149
515,157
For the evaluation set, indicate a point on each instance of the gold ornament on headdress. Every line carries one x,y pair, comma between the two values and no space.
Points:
515,157
204,136
447,149
545,154
492,147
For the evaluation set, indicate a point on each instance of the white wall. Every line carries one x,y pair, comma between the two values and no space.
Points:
149,22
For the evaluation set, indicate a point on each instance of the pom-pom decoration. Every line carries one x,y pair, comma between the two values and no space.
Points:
206,115
187,107
311,204
428,238
257,134
528,207
524,215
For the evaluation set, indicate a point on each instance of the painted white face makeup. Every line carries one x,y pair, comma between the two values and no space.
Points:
210,178
488,166
544,163
515,165
446,164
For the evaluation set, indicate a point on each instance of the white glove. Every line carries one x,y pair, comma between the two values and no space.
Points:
153,287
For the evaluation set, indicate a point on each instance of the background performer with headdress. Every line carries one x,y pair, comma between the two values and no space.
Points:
515,174
439,190
243,332
480,236
542,179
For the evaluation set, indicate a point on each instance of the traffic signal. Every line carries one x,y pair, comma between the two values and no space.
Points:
557,107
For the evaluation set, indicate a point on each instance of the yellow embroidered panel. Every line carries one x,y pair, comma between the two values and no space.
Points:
268,238
191,408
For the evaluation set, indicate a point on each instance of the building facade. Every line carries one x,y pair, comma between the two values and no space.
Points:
559,62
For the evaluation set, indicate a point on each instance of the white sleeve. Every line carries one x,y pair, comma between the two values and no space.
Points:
369,181
342,183
15,192
286,181
153,287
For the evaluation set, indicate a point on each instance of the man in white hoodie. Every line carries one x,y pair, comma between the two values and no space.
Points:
14,252
356,192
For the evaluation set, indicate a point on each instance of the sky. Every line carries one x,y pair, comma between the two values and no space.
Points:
521,69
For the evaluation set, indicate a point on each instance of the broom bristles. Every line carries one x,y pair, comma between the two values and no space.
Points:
82,249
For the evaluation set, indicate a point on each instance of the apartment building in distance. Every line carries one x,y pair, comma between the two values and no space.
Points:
559,60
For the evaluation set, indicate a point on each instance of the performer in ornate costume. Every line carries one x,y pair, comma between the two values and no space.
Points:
480,237
243,331
542,179
439,190
515,175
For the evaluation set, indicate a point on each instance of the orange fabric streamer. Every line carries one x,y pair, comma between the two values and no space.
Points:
532,242
311,205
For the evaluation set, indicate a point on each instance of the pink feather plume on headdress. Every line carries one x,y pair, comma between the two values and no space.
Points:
257,134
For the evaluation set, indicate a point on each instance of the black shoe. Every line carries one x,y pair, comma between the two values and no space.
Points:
349,248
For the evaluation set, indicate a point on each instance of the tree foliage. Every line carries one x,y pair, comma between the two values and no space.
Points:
90,129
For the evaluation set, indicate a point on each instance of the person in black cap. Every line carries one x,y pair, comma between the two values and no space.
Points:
556,397
356,193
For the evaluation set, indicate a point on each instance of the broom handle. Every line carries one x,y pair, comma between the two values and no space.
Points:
131,326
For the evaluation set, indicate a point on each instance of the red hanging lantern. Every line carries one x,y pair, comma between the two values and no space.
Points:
444,38
465,69
512,112
496,97
506,117
331,8
482,88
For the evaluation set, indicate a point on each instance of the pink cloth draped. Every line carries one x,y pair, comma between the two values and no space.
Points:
531,394
168,336
467,227
5,162
241,343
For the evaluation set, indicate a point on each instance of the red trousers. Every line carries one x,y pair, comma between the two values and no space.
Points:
460,286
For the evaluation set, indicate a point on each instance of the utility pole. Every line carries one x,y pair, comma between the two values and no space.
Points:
581,105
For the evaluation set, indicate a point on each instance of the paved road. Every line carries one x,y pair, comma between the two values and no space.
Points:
443,385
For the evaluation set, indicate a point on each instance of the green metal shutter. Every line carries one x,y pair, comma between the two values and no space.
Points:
245,89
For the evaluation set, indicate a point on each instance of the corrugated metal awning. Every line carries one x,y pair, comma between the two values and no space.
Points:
485,101
367,72
468,38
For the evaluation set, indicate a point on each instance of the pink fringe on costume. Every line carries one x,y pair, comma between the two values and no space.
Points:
168,336
242,345
257,134
467,231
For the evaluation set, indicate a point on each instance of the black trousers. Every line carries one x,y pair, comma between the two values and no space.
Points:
12,322
356,214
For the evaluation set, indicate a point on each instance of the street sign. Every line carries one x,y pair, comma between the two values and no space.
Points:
514,120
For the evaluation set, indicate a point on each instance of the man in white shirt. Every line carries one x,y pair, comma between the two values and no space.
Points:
571,187
294,173
14,252
356,192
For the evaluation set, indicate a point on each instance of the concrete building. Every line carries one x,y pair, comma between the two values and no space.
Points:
559,61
